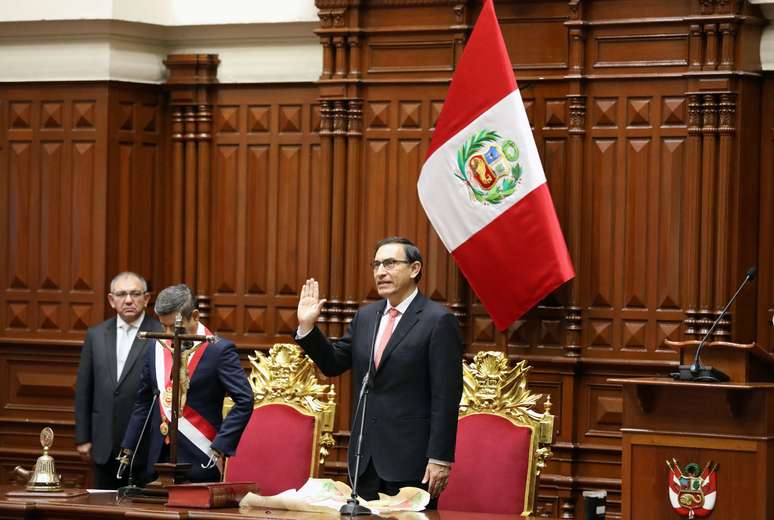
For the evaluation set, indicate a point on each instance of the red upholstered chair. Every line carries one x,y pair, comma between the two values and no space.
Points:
289,433
502,441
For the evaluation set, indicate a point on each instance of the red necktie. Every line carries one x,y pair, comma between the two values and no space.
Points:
393,313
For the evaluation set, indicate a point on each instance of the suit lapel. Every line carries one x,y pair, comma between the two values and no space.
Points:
406,323
134,352
110,342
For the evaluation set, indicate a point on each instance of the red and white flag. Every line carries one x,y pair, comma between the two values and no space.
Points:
483,187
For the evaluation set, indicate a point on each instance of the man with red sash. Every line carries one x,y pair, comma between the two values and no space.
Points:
205,437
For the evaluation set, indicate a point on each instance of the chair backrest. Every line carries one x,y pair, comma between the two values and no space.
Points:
289,433
502,441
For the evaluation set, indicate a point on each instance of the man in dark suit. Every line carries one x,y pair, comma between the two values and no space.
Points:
416,375
204,438
109,376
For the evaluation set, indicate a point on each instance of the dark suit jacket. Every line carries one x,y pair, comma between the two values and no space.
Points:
103,403
219,373
412,408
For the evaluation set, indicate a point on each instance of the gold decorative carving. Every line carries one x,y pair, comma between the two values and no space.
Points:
287,376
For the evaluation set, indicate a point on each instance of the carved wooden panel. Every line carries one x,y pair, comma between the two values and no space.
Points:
635,237
136,130
54,210
267,215
397,130
765,308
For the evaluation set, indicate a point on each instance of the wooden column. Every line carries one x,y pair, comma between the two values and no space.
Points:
726,112
191,81
575,160
711,49
326,153
692,222
204,142
338,212
353,258
708,193
695,48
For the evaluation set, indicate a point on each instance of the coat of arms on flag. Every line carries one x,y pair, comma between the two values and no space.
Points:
488,166
692,491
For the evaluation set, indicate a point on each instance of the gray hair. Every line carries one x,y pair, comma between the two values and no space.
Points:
176,298
128,274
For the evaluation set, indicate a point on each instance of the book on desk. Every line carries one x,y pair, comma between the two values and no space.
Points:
209,494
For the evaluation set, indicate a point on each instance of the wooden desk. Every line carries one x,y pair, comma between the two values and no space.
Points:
106,506
729,423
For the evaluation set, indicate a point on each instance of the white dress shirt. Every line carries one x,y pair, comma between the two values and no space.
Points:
125,334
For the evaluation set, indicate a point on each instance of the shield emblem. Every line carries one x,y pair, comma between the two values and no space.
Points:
692,491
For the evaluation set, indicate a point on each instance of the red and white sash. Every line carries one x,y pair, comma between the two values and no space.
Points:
190,424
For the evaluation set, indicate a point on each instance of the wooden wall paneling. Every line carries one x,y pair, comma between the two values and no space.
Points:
745,120
765,290
5,228
55,211
268,213
135,166
635,161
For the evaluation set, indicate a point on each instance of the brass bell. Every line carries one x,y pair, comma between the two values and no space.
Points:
44,477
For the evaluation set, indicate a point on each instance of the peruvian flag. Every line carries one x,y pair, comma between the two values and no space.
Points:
483,187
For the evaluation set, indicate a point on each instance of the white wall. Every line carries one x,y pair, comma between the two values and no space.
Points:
767,40
162,12
59,40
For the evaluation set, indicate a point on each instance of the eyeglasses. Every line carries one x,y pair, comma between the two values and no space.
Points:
388,263
123,294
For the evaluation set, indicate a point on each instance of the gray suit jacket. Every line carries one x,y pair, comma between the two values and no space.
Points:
103,402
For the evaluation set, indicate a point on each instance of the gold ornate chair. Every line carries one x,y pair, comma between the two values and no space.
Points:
503,442
289,433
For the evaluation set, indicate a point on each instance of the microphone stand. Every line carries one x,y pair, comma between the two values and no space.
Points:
131,490
696,372
353,506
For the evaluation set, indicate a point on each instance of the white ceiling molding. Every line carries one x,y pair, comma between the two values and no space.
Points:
77,50
162,12
767,39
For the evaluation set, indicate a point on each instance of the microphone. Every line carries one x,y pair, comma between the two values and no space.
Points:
128,489
696,372
353,507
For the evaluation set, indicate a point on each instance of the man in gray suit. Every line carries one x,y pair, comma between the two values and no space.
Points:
108,379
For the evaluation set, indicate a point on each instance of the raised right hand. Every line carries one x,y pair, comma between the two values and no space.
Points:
309,306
